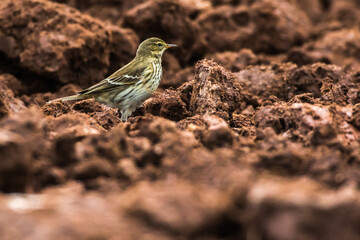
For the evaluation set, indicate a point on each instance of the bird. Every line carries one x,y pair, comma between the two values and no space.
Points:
127,88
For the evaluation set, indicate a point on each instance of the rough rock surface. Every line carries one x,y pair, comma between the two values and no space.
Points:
60,43
268,26
254,132
215,91
167,18
8,103
339,47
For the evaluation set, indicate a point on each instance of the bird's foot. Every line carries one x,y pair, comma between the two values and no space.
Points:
123,115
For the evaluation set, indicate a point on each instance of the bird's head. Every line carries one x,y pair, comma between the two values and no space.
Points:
153,47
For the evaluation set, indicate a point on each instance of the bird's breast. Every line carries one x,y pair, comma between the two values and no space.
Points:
156,75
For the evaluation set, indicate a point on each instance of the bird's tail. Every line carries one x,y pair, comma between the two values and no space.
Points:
70,98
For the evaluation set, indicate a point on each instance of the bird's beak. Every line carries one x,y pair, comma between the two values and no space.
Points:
170,45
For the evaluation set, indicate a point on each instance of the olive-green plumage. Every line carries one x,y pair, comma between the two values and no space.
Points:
128,87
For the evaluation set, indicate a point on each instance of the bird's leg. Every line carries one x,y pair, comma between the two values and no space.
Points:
124,115
124,118
118,112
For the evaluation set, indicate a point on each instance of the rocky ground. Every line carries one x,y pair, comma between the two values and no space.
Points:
254,133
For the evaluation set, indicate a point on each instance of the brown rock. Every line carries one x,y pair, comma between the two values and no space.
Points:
72,124
292,203
87,106
170,21
288,158
318,82
337,47
195,124
280,25
127,170
303,121
243,122
211,130
16,86
46,44
163,199
269,26
168,105
123,45
178,78
291,160
105,116
235,61
196,6
21,144
56,108
8,103
159,129
215,91
324,134
82,211
220,29
218,133
265,81
65,151
44,175
327,82
41,99
344,12
114,10
112,146
313,8
355,118
92,169
107,10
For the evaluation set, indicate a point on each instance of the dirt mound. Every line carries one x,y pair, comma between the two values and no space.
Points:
54,41
253,134
170,20
8,103
269,26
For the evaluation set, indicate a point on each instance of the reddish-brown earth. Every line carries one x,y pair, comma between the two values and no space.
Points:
254,133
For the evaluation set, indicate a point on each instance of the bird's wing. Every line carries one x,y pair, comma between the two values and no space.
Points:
132,73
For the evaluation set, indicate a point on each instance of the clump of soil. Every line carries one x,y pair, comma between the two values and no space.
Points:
254,132
54,41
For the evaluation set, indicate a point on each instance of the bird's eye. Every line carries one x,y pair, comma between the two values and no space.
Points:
159,44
